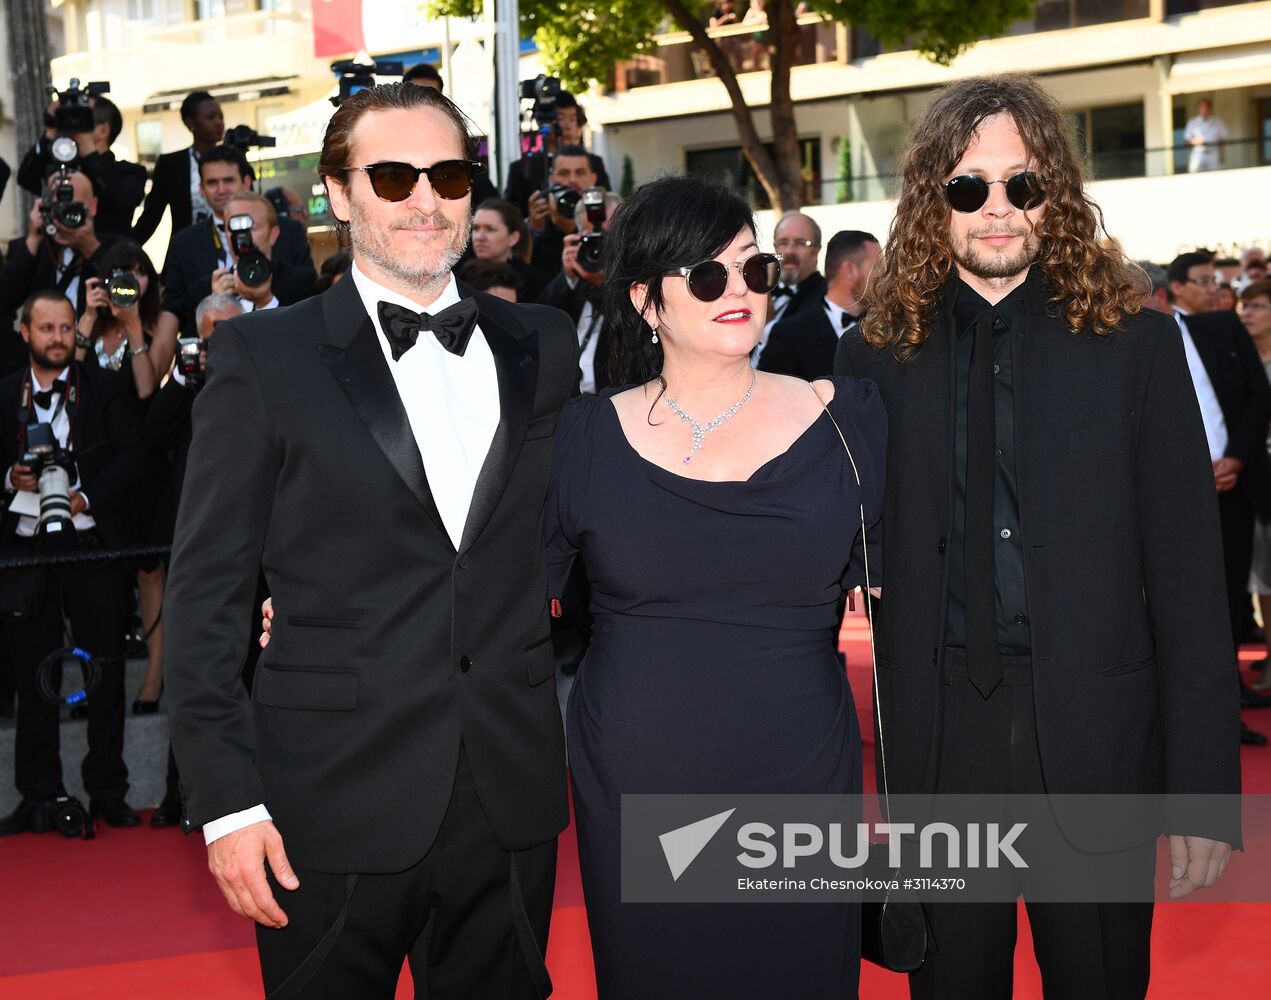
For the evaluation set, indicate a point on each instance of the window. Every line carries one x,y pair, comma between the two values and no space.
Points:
149,139
730,167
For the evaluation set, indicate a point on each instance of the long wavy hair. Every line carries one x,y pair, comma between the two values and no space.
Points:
1091,281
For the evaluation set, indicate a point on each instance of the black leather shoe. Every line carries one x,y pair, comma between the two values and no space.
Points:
1251,737
33,816
115,812
168,813
1251,699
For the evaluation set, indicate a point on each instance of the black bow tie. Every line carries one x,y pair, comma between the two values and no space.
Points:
44,399
849,319
781,290
452,326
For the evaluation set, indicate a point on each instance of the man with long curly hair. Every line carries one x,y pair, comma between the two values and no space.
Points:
1052,618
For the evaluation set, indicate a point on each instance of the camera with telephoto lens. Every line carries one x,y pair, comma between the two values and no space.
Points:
60,207
74,112
122,288
591,248
253,267
566,199
543,90
54,468
192,361
244,136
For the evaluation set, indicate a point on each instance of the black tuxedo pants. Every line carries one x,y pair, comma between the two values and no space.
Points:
470,917
1085,951
97,600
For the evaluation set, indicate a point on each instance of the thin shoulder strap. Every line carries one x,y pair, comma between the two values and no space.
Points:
869,609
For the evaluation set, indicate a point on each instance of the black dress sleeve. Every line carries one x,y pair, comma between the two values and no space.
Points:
567,492
857,407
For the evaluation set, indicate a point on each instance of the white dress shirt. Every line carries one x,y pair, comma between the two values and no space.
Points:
72,287
589,323
57,416
1210,411
452,404
835,315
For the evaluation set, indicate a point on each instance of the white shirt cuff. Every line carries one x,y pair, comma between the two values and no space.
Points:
218,828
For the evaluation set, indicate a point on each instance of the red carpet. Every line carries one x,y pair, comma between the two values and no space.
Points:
135,914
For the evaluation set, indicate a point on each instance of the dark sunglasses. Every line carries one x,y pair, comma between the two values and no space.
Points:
968,193
708,280
450,179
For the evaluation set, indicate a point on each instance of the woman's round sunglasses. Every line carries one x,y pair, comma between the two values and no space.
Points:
450,179
969,192
708,280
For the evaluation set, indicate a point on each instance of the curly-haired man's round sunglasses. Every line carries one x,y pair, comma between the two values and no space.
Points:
969,192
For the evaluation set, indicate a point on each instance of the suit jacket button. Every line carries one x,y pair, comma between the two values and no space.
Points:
465,664
1021,619
941,547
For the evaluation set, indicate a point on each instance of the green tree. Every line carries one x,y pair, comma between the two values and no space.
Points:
580,41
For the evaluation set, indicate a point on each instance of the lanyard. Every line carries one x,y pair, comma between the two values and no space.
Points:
69,401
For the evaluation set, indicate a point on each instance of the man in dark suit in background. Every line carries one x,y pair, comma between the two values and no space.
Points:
804,344
797,240
176,175
1235,404
388,470
528,175
91,413
1053,619
203,248
118,184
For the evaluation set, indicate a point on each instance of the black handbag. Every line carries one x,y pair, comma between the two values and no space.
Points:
896,930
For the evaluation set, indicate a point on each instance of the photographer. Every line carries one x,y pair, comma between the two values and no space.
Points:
203,248
551,212
528,175
251,232
91,418
176,181
63,260
578,289
118,184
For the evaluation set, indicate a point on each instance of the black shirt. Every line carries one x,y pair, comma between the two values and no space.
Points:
1008,315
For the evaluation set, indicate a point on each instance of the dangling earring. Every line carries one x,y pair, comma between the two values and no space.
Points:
655,333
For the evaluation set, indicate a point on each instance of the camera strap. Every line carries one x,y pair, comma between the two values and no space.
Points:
68,400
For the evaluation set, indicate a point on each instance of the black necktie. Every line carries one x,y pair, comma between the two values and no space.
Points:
452,326
983,663
44,399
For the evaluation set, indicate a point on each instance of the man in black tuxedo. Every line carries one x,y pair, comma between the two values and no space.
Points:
65,260
1235,404
528,176
1052,617
804,344
92,413
176,175
387,468
797,239
200,250
118,184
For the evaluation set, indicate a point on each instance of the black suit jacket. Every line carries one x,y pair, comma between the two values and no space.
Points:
107,443
1132,658
389,646
570,301
810,293
193,256
25,272
169,187
1244,396
801,344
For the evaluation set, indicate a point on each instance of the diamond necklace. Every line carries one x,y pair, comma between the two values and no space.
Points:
701,430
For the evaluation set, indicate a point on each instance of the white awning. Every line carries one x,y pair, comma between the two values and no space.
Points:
1248,66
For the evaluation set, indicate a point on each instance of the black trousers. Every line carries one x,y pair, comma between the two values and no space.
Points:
97,599
1085,951
471,917
1236,517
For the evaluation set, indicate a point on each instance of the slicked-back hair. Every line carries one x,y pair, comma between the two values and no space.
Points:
845,245
336,160
1091,283
667,224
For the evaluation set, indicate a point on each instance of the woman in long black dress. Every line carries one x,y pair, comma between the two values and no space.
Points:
717,554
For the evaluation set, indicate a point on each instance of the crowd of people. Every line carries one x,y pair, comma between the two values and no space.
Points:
716,565
233,249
